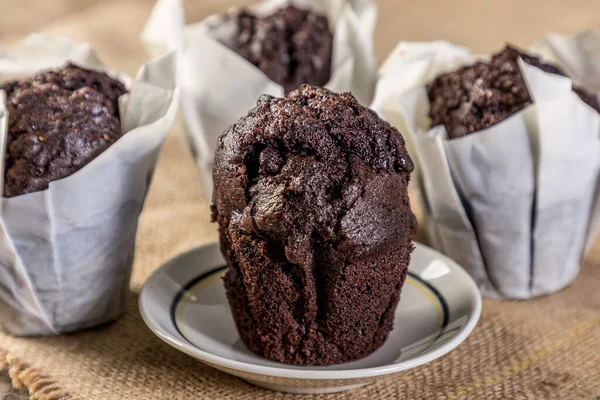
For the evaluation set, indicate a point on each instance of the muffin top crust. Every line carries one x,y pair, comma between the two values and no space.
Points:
58,122
291,46
477,96
314,167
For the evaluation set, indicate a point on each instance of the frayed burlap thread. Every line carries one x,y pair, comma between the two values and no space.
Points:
23,377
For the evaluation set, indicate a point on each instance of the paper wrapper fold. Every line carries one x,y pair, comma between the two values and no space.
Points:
511,203
218,86
66,252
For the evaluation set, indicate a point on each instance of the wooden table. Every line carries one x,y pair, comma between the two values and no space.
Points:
112,26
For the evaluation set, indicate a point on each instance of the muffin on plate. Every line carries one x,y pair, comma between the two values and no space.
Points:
477,96
310,195
58,122
291,46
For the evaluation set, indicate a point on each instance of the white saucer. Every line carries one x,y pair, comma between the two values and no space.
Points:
184,303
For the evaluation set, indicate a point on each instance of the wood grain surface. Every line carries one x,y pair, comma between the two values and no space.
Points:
113,26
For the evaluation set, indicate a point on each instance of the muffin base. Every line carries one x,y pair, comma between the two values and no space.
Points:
332,311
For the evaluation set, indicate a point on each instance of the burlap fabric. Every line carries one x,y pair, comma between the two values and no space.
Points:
548,348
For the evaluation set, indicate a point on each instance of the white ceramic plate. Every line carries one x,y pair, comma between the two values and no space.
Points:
184,303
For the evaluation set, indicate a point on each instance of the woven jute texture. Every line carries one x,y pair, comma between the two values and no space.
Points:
547,348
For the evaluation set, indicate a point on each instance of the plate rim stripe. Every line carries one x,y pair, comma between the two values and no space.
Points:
177,299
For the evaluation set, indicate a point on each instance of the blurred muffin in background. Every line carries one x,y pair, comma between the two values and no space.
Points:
477,96
291,46
58,122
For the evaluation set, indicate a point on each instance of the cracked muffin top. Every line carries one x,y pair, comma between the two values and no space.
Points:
58,122
314,167
291,46
477,96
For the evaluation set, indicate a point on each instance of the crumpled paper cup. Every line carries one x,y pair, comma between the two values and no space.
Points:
66,252
579,57
218,86
511,203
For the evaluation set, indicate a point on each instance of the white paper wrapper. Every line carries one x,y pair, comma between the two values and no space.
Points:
218,86
511,203
66,252
579,56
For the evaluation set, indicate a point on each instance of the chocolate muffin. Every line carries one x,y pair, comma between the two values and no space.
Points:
477,96
310,195
291,46
58,122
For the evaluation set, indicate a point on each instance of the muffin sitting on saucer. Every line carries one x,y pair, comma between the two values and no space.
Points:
310,195
478,96
58,122
291,46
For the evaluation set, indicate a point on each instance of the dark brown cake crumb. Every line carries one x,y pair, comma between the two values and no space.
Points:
589,98
58,122
291,46
478,96
311,199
